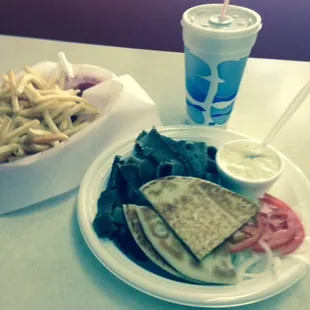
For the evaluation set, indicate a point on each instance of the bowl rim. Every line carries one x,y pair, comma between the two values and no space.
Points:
245,181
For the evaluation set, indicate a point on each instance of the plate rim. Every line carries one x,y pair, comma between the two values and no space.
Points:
125,274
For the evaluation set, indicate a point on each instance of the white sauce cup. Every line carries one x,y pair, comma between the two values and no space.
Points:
249,187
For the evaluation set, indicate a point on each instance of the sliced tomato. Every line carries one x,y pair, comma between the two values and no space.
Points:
274,202
252,235
276,238
282,229
294,244
276,224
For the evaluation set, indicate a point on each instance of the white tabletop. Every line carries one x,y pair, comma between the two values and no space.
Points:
44,261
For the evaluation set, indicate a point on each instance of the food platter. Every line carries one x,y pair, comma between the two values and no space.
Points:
292,186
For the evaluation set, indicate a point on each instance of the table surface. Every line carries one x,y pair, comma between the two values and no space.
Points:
44,261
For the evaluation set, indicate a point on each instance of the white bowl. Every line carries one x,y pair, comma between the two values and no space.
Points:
292,187
250,188
55,171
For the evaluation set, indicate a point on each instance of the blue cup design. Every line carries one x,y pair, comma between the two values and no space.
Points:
211,93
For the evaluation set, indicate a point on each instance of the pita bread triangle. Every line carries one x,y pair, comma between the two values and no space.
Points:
135,227
202,214
130,212
214,268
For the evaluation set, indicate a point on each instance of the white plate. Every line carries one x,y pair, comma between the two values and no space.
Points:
293,187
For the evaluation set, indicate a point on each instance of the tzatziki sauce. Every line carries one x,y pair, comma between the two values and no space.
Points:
246,160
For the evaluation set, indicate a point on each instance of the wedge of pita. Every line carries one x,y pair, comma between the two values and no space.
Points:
214,268
140,238
133,222
202,214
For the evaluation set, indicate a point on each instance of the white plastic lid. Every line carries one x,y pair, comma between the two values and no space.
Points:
205,20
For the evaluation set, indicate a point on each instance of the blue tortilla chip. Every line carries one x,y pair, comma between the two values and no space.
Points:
169,168
104,225
131,174
194,157
115,180
155,146
109,200
211,152
211,166
118,216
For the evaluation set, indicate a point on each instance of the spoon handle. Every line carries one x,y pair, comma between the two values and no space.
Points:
291,109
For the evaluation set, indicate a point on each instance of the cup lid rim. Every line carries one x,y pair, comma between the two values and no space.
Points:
220,33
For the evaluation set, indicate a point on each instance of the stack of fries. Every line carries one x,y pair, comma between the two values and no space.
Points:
37,114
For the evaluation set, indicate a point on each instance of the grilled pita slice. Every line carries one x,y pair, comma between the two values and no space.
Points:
200,220
240,208
214,268
133,222
144,244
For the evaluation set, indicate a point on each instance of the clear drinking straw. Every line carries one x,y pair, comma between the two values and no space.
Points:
224,9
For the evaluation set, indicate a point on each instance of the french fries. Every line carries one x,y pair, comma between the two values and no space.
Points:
35,113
